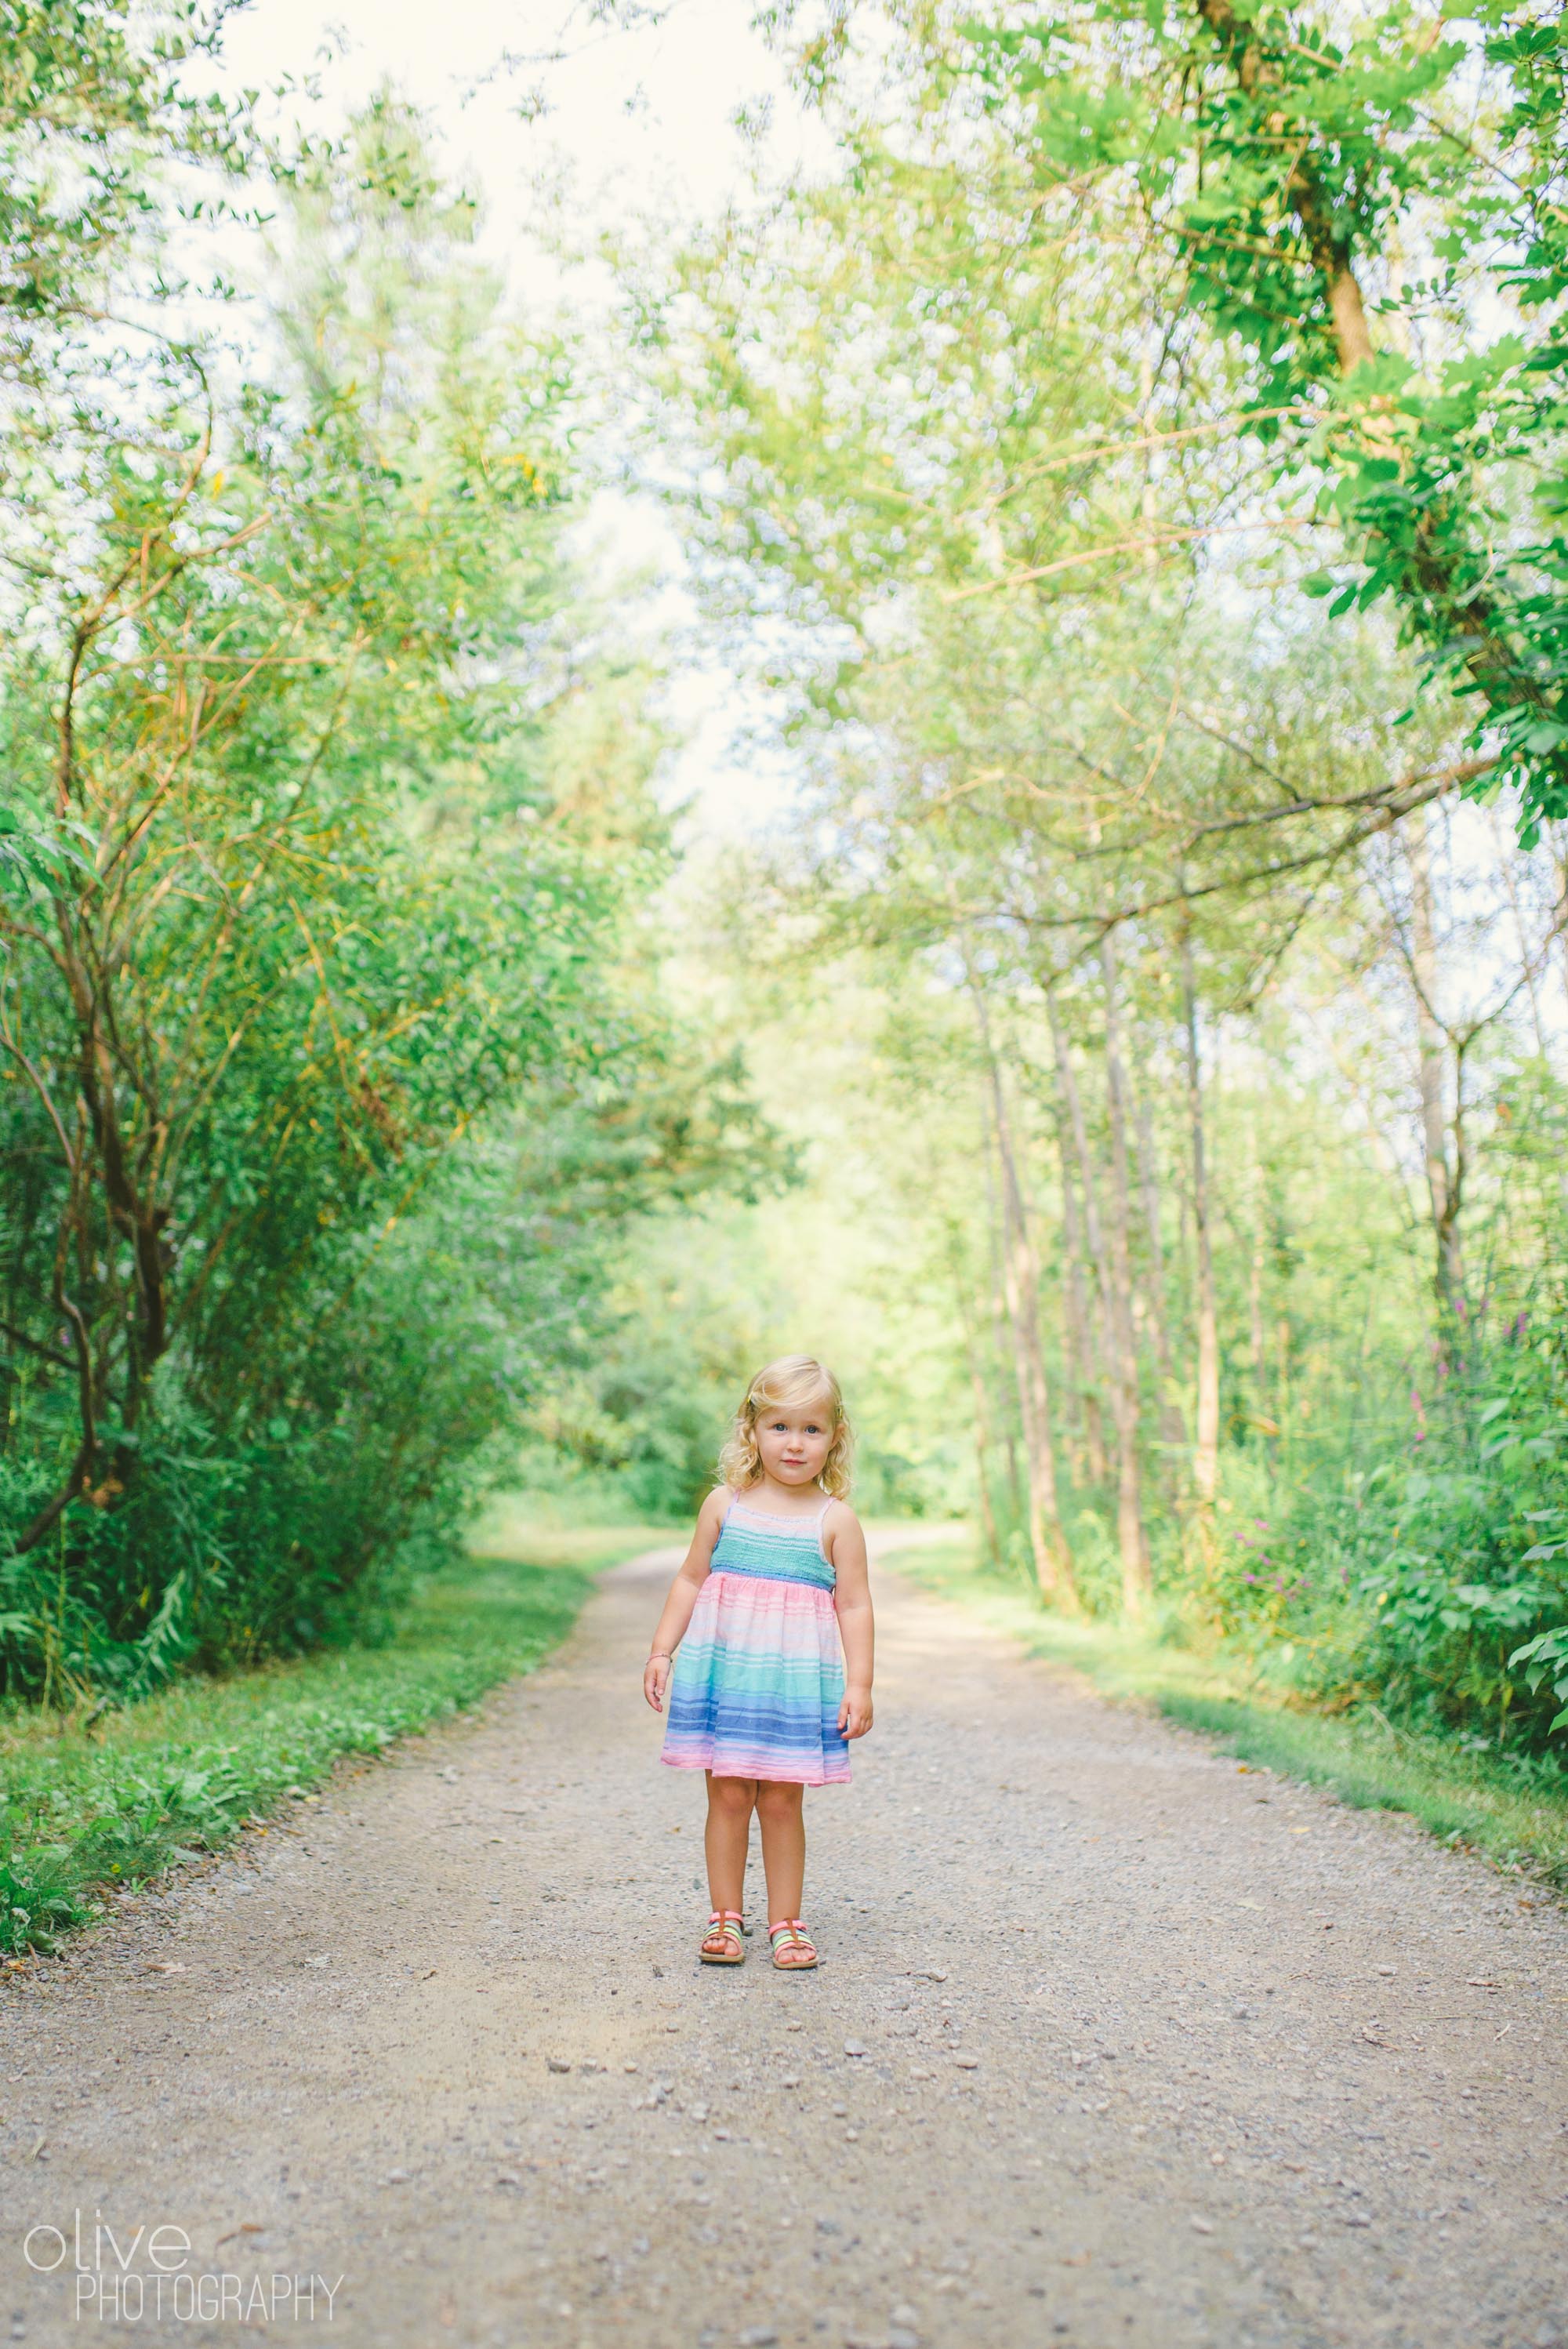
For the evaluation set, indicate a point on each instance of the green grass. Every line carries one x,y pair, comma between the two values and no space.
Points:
82,1810
1468,1799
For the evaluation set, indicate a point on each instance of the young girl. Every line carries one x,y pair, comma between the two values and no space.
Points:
760,1699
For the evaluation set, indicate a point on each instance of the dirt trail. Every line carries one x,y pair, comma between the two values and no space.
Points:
1112,2042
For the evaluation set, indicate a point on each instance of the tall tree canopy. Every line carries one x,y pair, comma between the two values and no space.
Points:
333,1050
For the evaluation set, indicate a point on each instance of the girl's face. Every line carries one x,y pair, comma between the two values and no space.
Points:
794,1440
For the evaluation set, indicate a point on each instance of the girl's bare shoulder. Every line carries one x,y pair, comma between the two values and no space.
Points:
709,1521
839,1517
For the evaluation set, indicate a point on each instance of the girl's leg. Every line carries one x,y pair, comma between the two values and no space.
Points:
781,1813
728,1834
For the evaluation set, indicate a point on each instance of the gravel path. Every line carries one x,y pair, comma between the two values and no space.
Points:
1112,2041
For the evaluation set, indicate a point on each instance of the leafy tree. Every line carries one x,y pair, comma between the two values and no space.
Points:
315,878
1170,856
94,101
1371,210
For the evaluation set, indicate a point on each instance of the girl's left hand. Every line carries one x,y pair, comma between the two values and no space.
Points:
854,1712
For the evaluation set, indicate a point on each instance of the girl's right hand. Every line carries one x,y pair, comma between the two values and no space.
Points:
655,1679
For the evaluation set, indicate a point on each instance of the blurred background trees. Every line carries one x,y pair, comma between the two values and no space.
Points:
334,1056
1128,478
1196,833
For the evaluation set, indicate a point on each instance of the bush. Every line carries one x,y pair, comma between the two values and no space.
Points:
1432,1581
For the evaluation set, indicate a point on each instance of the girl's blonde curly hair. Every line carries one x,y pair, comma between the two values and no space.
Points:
797,1379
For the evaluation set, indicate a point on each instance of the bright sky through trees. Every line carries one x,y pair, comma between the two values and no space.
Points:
650,110
644,115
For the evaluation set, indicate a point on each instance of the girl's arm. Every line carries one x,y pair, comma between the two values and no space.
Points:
846,1546
692,1573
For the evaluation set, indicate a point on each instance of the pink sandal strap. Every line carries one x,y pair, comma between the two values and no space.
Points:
789,1933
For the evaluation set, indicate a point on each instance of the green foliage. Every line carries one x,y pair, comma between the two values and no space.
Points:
333,1051
1427,1577
1371,213
983,410
635,1424
92,99
1547,1657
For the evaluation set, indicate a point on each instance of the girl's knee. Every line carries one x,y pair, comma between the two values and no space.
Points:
732,1793
777,1797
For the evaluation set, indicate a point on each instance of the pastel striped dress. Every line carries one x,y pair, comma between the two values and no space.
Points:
758,1680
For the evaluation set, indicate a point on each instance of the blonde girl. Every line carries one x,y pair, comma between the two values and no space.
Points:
761,1697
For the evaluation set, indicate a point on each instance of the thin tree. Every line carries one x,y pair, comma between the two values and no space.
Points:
1445,1173
1206,1452
1136,1580
1020,1270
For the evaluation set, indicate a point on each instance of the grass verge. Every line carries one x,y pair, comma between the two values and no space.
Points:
1467,1799
83,1811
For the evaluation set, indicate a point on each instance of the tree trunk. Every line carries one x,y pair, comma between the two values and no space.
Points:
1083,1351
1173,1434
1136,1576
1020,1273
1115,1299
1172,1427
1442,1188
983,1432
1000,1333
1206,1454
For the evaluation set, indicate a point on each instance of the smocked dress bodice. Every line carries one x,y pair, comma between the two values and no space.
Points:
787,1549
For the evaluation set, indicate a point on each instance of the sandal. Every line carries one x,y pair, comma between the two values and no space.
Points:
725,1925
790,1934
